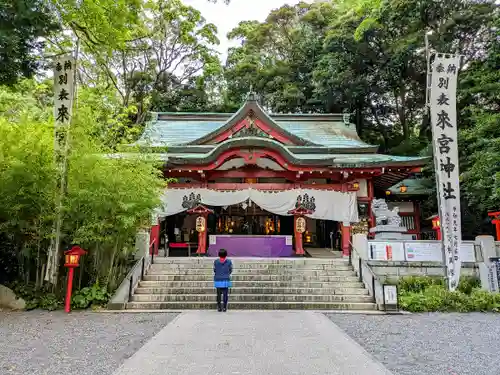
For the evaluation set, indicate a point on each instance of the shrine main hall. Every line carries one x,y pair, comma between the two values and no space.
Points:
271,185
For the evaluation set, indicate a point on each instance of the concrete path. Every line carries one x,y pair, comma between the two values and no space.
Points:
251,343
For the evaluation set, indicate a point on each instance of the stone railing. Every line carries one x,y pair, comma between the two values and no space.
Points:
144,257
365,273
392,259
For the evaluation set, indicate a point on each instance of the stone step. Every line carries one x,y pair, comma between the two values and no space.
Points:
253,266
251,298
251,306
252,284
243,272
263,261
254,290
252,277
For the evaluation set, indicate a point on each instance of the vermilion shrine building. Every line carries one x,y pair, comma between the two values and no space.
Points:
261,184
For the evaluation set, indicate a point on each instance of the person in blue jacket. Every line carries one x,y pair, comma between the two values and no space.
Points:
223,268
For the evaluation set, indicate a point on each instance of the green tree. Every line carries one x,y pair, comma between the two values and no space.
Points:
276,57
24,25
108,199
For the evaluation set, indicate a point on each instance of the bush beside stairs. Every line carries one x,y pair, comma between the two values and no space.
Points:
264,283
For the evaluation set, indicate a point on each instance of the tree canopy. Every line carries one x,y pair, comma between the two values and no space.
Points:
25,24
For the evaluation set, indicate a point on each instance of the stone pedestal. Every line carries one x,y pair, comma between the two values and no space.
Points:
388,232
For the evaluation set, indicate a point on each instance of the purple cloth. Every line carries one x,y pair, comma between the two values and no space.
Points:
251,246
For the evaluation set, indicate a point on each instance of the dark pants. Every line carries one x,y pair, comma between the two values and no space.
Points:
222,293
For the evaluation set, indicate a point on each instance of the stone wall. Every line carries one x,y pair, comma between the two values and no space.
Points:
395,270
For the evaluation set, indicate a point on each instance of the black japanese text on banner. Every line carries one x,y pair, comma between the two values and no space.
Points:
444,133
63,99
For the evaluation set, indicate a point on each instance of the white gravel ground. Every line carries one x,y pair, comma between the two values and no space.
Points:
43,343
428,344
81,343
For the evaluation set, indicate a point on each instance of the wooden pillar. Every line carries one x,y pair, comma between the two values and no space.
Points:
154,238
497,228
201,228
371,195
346,239
495,219
439,237
298,230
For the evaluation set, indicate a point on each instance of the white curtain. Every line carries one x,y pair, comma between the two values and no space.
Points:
329,204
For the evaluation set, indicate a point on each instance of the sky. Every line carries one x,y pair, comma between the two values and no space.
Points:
226,17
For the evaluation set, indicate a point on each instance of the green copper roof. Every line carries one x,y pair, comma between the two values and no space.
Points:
344,159
324,133
326,159
326,130
171,133
415,186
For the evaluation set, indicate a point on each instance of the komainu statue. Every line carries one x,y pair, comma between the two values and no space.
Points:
384,216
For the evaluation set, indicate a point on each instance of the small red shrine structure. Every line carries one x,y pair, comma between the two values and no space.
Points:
495,220
227,166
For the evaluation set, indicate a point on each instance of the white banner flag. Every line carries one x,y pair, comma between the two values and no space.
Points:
443,110
63,99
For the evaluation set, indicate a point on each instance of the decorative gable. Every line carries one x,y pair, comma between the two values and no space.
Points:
251,121
250,129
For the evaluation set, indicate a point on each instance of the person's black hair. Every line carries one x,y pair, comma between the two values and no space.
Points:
222,253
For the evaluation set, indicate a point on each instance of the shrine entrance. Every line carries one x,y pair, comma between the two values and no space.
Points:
253,223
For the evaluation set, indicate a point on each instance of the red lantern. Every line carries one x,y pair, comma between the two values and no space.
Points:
436,225
72,256
71,261
300,224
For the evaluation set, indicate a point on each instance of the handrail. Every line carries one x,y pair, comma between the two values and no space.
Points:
152,250
124,292
362,263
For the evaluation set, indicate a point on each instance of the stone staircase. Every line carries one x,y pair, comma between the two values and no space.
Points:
258,283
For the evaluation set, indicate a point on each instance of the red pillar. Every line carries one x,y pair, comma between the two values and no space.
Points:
371,195
69,289
154,238
202,237
438,234
299,249
497,228
346,239
495,219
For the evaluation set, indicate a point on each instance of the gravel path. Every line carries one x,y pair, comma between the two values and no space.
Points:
428,344
43,343
81,343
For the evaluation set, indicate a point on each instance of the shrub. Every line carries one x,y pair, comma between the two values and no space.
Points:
93,296
420,302
428,294
36,298
481,300
417,284
42,299
468,284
